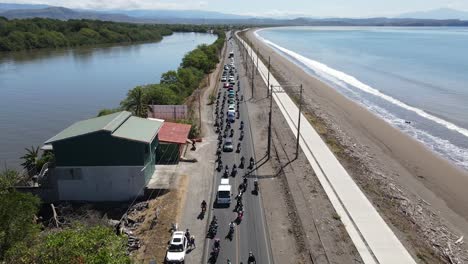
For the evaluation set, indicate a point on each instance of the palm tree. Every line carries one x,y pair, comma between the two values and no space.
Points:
30,159
135,102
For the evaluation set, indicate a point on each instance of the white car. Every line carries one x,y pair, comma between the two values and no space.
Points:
232,108
224,79
177,248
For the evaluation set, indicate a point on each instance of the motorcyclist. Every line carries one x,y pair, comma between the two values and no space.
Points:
251,259
256,185
203,205
226,170
242,159
216,244
231,227
238,147
251,162
242,125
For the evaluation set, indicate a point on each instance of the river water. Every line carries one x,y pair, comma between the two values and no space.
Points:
43,92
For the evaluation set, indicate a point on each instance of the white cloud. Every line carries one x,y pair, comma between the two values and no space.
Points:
120,4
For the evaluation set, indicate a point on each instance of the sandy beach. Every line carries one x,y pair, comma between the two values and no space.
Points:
421,195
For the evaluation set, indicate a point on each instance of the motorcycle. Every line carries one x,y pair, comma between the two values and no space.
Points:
242,160
226,171
220,165
240,215
232,132
234,171
241,125
251,165
256,186
241,135
238,147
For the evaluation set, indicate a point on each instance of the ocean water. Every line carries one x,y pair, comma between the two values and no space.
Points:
401,74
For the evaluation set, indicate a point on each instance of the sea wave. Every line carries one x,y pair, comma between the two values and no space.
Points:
322,69
332,76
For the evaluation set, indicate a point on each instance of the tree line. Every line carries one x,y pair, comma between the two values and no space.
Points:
36,33
175,86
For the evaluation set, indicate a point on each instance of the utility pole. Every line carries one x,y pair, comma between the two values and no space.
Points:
268,78
253,76
299,123
269,122
257,61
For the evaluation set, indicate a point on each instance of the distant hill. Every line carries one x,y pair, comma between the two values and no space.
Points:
208,17
62,13
442,13
183,14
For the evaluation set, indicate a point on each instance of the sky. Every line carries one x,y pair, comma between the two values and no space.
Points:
313,8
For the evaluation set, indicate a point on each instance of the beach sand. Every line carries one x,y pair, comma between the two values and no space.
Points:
392,161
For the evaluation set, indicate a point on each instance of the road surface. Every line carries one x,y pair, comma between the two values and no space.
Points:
251,233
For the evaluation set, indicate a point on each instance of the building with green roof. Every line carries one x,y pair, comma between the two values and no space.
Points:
107,158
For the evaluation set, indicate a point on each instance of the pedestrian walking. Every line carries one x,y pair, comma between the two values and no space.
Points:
192,242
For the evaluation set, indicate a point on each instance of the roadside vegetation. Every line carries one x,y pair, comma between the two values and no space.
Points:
37,33
175,86
21,239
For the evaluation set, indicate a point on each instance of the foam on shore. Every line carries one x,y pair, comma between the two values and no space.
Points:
344,81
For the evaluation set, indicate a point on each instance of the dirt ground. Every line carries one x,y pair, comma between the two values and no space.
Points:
303,226
155,231
396,173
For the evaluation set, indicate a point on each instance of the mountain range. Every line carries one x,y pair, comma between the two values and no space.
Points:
442,13
444,17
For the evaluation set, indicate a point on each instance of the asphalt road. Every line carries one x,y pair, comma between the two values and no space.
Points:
250,234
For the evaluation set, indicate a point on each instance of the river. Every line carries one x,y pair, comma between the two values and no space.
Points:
44,91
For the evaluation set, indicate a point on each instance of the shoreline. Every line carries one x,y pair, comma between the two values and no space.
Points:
390,157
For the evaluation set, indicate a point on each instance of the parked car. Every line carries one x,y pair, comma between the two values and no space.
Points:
231,101
226,85
177,248
232,108
223,79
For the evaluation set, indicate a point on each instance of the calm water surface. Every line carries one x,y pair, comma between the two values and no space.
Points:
42,92
401,74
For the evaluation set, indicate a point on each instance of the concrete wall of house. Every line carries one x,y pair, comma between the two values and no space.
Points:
100,183
167,153
102,149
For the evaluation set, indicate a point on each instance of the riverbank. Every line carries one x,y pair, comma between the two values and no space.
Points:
420,194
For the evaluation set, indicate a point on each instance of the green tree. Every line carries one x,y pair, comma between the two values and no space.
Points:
17,214
106,111
30,159
161,94
75,245
136,102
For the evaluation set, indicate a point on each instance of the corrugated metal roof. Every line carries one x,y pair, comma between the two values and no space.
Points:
174,132
107,123
138,129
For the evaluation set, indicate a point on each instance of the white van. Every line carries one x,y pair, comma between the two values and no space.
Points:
224,193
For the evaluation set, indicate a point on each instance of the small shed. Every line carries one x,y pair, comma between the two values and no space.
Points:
172,141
